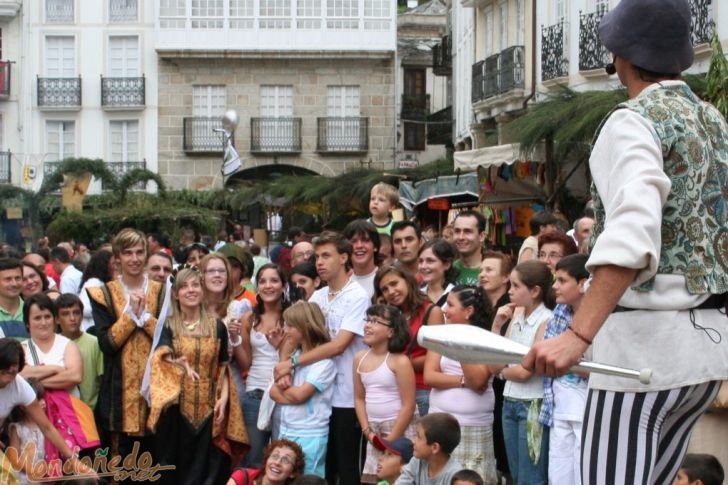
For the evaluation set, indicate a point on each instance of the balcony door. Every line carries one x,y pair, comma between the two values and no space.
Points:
124,141
60,140
415,100
343,102
60,56
276,109
208,101
124,56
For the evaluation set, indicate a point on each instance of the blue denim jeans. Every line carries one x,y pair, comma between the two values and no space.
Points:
258,439
523,470
422,398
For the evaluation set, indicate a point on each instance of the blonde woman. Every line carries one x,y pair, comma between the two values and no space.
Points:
198,428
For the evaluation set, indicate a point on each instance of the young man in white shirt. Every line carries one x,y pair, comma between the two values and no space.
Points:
344,303
70,276
365,243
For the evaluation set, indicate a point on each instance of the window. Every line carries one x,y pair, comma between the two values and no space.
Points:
601,5
343,14
559,10
343,101
376,13
172,14
60,140
488,31
124,56
309,14
207,14
59,11
520,22
123,10
208,101
414,107
60,56
503,25
124,141
242,14
276,101
275,14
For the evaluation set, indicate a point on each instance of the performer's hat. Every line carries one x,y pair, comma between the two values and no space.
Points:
651,34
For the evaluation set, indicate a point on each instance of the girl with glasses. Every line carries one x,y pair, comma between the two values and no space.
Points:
384,383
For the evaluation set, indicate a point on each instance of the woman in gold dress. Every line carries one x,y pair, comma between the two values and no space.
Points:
198,428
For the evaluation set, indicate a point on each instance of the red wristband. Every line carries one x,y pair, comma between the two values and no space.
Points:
579,335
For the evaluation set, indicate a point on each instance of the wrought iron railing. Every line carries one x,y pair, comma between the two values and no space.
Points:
275,135
701,26
199,135
592,53
554,59
122,92
59,11
442,57
123,10
512,68
5,79
122,168
477,86
5,174
415,106
343,134
439,127
50,167
59,92
491,76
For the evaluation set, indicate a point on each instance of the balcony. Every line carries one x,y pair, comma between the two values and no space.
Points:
4,79
439,127
9,9
59,11
119,169
122,93
477,87
123,10
442,57
199,136
512,68
5,175
343,135
59,93
415,107
275,135
701,27
554,60
491,76
592,53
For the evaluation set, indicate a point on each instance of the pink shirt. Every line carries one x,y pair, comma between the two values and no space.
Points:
382,394
469,407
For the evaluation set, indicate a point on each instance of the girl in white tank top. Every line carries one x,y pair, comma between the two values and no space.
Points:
384,382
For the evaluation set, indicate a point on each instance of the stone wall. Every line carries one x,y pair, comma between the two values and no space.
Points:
243,78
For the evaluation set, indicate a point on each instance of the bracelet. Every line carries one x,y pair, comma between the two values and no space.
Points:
579,335
237,342
294,361
366,431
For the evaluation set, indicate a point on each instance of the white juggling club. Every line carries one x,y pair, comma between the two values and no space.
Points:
473,345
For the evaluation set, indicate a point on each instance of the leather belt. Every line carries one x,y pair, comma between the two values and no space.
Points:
712,303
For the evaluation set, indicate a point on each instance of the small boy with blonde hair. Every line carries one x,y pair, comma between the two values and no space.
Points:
383,200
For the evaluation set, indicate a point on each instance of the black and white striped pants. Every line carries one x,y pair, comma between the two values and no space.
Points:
640,438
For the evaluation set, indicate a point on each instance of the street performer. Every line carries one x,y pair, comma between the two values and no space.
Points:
125,313
659,261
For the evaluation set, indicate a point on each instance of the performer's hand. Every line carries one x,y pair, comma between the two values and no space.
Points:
220,408
182,361
137,301
554,357
276,336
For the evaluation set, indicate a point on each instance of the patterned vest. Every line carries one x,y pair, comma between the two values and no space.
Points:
694,139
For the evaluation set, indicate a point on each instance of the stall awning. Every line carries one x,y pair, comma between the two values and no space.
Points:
506,189
493,156
412,194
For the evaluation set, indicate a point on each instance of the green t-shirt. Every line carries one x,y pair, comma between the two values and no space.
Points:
467,276
12,325
93,368
384,228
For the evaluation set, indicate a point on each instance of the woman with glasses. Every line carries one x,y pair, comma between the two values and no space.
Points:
465,390
198,429
397,287
553,246
283,463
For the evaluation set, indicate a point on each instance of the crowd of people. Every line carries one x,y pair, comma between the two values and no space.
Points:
213,364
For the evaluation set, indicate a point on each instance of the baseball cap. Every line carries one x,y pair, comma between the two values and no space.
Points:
400,446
